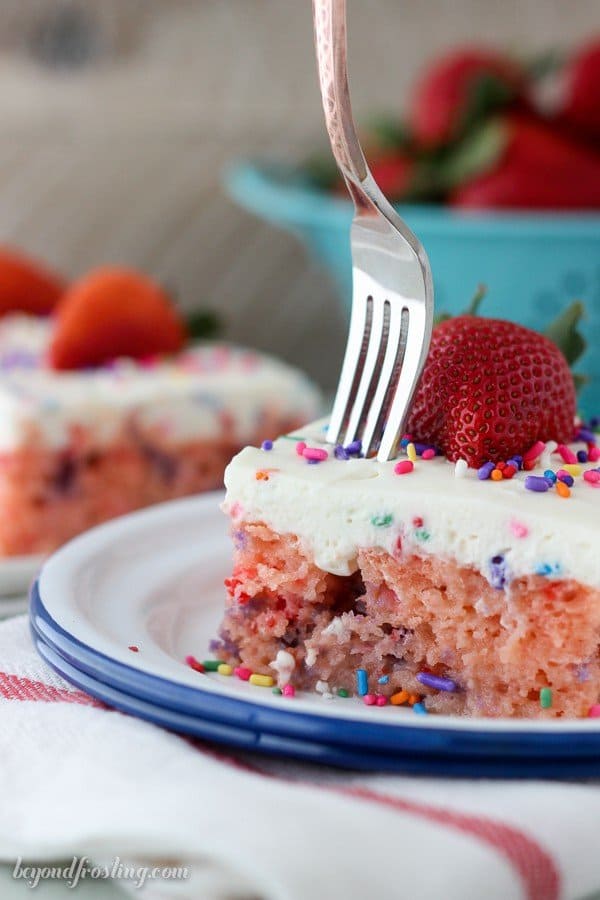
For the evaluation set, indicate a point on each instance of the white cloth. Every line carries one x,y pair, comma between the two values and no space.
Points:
78,778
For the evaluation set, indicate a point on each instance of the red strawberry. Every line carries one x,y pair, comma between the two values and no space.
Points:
491,389
26,286
539,168
114,312
467,81
582,103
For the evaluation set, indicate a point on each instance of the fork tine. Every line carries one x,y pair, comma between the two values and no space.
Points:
396,344
416,348
356,348
364,393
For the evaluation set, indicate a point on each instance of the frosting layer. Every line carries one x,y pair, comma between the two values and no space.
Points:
206,391
337,506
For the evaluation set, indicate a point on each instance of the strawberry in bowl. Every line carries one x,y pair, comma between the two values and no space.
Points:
498,188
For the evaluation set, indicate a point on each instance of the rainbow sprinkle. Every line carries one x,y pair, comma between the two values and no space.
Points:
498,572
261,680
211,665
534,452
383,521
484,471
565,477
545,698
566,453
461,468
318,454
519,529
362,682
399,698
193,663
242,673
437,682
354,448
536,483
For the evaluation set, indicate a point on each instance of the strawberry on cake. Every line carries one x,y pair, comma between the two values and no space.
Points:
106,407
462,577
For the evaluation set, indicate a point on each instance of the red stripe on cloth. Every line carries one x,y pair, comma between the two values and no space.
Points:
14,687
534,865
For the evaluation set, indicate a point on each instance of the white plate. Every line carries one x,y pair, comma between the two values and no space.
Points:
16,575
154,580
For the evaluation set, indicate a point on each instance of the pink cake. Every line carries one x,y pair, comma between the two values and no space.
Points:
79,447
438,587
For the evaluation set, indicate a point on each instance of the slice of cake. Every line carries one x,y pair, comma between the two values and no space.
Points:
79,446
471,590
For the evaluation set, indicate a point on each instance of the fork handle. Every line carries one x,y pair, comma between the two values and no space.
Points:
330,42
329,18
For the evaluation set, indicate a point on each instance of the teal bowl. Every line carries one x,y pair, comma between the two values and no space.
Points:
532,264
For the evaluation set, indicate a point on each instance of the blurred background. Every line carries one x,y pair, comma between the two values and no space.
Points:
117,117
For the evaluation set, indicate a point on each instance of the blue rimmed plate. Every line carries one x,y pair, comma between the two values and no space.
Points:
154,581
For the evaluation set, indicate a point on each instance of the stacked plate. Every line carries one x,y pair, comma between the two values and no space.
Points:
16,574
117,610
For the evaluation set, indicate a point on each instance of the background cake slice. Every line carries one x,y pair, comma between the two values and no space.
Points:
79,446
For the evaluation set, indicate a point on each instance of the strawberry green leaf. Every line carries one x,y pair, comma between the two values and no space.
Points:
477,152
487,94
471,310
203,324
545,63
478,296
390,133
564,333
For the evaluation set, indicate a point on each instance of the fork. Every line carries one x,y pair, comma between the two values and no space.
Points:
392,293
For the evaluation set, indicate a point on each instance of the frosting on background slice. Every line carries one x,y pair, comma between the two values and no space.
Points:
202,392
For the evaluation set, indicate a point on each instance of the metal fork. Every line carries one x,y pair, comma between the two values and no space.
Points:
392,297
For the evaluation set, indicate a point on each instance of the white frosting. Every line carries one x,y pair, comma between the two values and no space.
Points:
337,507
203,392
284,664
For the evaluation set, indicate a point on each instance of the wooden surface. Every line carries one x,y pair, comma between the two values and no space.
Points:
117,157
